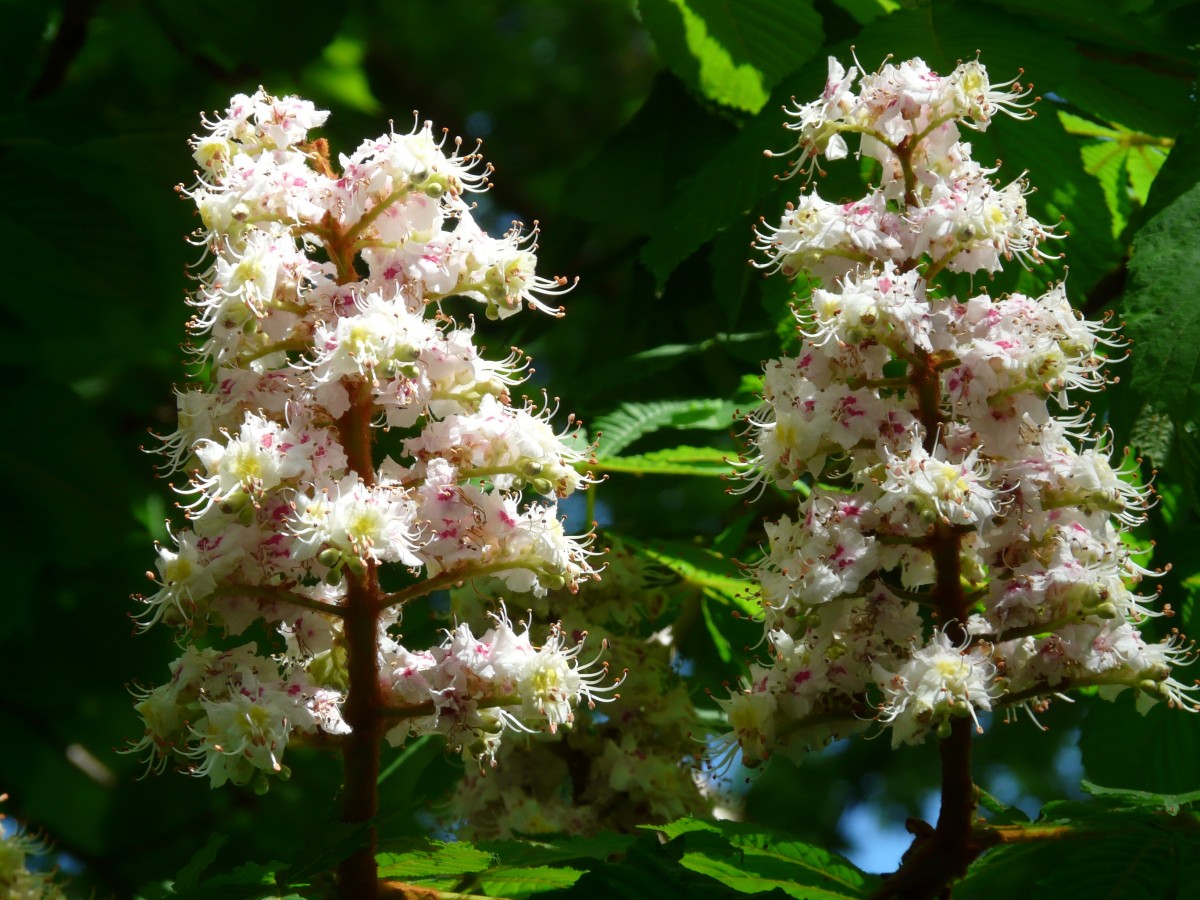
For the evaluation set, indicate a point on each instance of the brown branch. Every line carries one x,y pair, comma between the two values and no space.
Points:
278,595
358,873
452,578
941,854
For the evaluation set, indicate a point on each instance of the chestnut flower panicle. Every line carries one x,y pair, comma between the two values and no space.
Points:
321,318
947,480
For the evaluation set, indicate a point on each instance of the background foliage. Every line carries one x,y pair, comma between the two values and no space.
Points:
635,134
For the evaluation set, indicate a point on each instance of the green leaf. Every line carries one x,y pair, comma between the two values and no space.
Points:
1085,127
1002,813
752,874
1144,162
1136,96
720,642
1162,307
1156,752
707,461
565,849
630,177
442,859
648,871
515,883
446,866
732,273
246,882
1180,172
867,11
339,73
733,53
719,195
416,748
1124,797
1095,854
1125,163
670,351
1106,163
1153,433
679,827
189,875
755,859
631,421
1125,25
717,575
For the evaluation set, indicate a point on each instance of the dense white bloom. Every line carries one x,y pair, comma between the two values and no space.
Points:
922,488
874,307
258,459
321,314
189,574
823,556
499,272
231,712
829,239
919,432
380,340
510,447
751,718
376,523
470,689
971,96
819,122
938,682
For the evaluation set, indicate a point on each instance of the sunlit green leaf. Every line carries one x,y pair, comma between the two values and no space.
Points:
506,881
733,53
867,11
441,859
630,421
340,74
755,859
707,461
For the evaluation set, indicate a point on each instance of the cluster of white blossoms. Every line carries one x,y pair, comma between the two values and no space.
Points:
319,325
960,542
626,763
474,689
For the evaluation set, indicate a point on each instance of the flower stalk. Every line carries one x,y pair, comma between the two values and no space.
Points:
960,544
321,316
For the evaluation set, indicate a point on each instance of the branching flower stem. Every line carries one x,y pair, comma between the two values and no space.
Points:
358,873
441,582
926,424
293,513
277,595
939,856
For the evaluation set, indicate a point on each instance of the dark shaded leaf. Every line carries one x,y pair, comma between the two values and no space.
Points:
1162,307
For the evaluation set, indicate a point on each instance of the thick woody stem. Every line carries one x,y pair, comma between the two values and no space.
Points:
943,853
358,875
